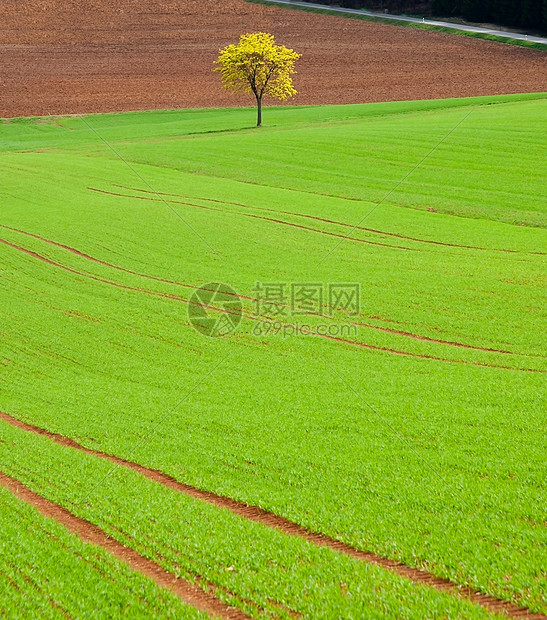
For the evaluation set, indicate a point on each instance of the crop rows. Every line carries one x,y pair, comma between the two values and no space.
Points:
352,476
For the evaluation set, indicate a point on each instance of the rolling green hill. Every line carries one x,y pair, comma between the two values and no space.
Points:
412,427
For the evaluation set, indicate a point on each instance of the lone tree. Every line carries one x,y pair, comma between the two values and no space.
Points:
257,65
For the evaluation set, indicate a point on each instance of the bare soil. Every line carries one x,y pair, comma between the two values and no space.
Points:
71,56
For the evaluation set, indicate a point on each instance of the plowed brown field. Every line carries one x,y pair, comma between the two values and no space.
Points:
72,56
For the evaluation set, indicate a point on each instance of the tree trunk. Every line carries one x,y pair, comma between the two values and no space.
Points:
259,111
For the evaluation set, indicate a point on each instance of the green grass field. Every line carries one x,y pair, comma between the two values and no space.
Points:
415,430
47,573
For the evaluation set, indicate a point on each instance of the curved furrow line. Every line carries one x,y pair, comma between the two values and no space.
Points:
270,519
451,343
115,284
87,275
253,299
327,221
188,592
259,217
256,318
111,265
426,357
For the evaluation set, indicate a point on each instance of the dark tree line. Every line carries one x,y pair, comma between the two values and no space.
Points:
526,14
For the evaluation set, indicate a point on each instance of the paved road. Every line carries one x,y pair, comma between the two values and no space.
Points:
416,20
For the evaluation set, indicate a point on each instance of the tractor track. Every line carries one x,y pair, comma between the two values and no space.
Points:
326,221
250,317
90,533
272,520
246,297
260,217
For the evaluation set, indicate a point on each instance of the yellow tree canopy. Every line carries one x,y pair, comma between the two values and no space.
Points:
257,65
